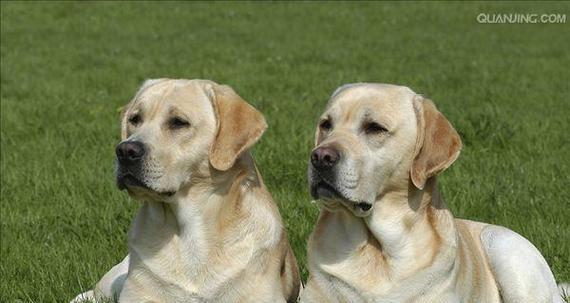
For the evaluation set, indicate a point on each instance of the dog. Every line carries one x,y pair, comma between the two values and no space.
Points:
384,233
208,229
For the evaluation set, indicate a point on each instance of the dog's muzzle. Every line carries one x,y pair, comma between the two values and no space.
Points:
130,156
130,153
322,176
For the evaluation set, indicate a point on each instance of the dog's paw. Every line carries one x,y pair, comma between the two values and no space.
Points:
86,297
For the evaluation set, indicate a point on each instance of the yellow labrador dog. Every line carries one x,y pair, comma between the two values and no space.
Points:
207,230
384,233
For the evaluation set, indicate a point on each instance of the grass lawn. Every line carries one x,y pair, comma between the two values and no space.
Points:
66,68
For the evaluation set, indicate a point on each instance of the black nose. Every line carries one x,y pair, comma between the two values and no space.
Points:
129,152
324,157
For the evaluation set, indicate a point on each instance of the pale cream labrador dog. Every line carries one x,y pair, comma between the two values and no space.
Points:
384,233
207,230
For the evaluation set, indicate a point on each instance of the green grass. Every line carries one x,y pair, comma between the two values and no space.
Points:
66,68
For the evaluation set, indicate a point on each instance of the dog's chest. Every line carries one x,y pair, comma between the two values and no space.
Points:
177,280
184,263
354,283
349,262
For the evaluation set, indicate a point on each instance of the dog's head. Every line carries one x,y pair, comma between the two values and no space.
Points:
374,138
174,130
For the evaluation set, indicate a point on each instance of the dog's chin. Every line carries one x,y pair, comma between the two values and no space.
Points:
330,198
139,189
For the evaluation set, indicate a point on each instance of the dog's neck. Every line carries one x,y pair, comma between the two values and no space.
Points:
197,217
209,193
411,226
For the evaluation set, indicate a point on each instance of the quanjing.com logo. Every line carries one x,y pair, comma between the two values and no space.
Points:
521,18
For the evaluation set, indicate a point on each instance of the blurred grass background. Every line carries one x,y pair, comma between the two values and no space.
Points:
66,68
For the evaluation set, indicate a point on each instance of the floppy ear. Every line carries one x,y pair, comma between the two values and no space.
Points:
437,146
240,125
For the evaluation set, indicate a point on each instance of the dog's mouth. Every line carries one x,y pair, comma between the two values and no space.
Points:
128,181
321,189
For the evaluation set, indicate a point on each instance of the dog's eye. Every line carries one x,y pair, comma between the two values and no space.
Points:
325,125
177,122
371,128
135,119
